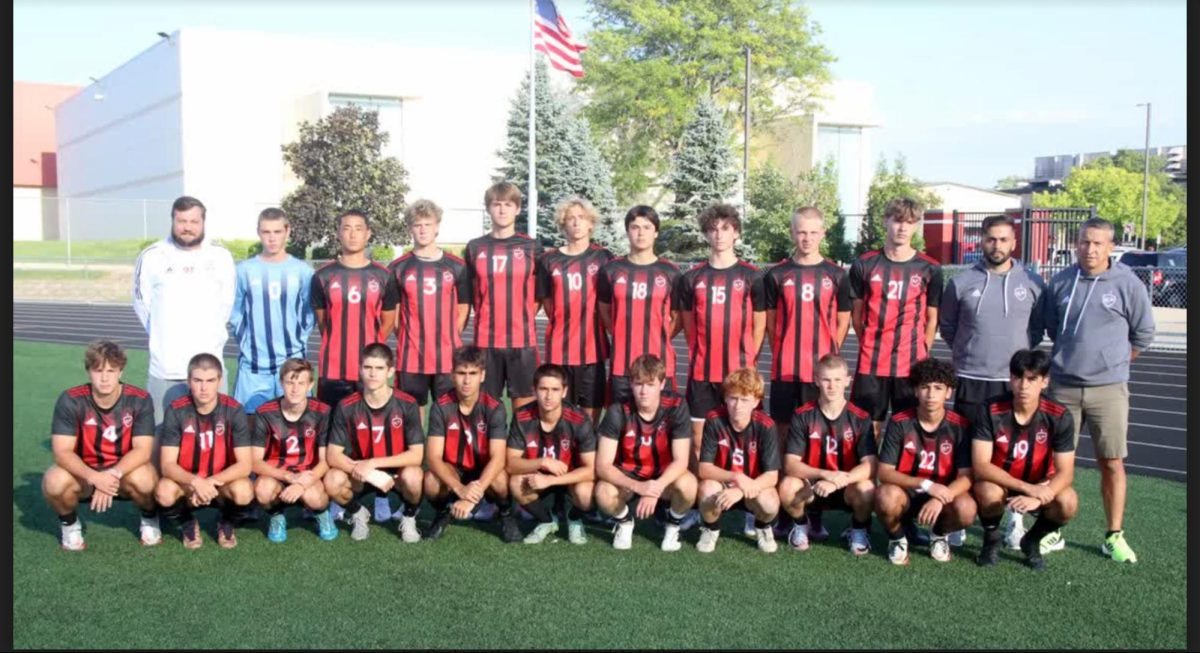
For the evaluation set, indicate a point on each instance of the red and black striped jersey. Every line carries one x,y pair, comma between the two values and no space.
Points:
936,456
836,445
895,297
806,300
571,436
206,442
754,451
1027,451
644,447
502,286
103,436
291,445
427,323
641,301
354,301
365,432
722,303
467,436
566,285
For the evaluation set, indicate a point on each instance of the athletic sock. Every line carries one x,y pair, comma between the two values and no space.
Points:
574,514
674,517
229,511
440,505
68,519
150,514
274,509
1041,527
860,525
1108,534
625,515
758,523
897,535
410,509
505,506
539,511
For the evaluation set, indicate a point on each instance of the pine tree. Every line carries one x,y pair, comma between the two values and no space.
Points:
702,174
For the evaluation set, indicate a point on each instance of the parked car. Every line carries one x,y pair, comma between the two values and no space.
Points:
1164,273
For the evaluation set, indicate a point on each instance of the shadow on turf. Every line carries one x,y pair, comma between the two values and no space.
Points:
37,516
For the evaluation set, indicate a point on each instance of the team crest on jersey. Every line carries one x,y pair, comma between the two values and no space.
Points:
826,283
660,281
593,269
127,420
448,276
396,421
753,446
738,284
274,290
373,285
481,426
565,443
1109,299
915,281
219,429
518,253
1041,436
1020,293
848,434
946,447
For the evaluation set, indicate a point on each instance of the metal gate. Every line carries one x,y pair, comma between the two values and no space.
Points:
1048,238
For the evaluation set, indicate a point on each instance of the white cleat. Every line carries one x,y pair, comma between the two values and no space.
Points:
939,549
708,539
1014,530
670,541
860,543
898,551
150,531
541,532
72,537
1053,541
766,539
408,529
623,535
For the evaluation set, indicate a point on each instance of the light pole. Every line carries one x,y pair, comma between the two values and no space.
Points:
1146,176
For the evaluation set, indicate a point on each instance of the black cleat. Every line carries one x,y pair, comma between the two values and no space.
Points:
438,526
989,555
1033,553
509,530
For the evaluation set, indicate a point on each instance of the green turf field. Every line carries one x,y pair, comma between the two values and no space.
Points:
470,590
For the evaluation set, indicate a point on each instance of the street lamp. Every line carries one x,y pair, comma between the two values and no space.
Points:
1146,175
99,95
166,36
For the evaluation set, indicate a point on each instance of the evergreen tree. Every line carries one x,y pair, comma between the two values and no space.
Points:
702,174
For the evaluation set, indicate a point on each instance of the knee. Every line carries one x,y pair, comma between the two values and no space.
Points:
57,481
861,492
965,508
889,500
433,487
500,484
767,502
606,496
685,486
1068,503
167,492
266,489
141,481
709,489
988,495
241,492
581,495
315,498
410,478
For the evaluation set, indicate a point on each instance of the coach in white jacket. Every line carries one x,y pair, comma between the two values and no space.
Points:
183,293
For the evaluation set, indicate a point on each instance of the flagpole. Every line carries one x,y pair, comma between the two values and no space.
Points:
531,198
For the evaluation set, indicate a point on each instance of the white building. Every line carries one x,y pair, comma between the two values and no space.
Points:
205,113
971,199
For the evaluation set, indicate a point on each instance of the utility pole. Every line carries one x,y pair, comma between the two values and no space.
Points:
1146,177
746,140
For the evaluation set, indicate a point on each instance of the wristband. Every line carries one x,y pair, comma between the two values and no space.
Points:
924,487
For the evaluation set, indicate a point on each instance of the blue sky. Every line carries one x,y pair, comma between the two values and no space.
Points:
967,91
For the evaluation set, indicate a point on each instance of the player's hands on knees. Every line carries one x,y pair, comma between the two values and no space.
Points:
537,482
105,482
292,493
361,469
824,488
1023,504
304,478
743,483
645,507
728,497
652,488
930,511
1041,492
840,480
462,508
553,466
101,501
939,491
203,490
473,492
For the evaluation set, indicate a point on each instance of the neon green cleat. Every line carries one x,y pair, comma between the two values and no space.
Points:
1118,549
1053,541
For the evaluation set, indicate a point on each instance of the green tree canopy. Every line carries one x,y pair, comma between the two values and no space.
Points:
774,199
888,184
1117,195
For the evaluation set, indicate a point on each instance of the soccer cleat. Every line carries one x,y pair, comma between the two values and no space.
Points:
689,520
939,548
326,528
359,520
437,527
798,538
484,511
510,531
860,542
1014,530
150,531
1054,541
541,532
748,526
816,530
383,510
226,537
670,541
708,539
623,535
1118,549
191,535
575,532
72,537
1033,553
408,529
277,530
957,538
989,554
898,551
766,539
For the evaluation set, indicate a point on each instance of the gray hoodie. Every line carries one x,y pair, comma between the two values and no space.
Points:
986,317
1094,321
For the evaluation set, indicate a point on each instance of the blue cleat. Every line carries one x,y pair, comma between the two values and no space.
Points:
277,531
326,529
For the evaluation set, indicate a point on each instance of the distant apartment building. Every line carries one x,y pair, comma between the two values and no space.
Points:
1052,170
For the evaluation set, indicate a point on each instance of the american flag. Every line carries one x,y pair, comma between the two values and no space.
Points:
551,36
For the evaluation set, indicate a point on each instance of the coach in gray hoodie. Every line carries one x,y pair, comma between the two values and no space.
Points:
1098,314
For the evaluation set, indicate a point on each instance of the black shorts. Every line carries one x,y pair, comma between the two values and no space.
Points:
702,397
620,390
875,394
970,395
511,368
585,385
916,501
420,385
331,392
787,396
835,501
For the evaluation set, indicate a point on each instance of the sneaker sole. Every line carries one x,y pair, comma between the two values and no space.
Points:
82,547
151,542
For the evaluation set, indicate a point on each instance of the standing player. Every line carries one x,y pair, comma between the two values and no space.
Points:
895,291
644,451
830,460
925,466
466,449
502,287
205,455
102,436
634,299
432,310
288,452
985,323
354,303
375,438
1023,456
552,451
566,285
272,313
739,462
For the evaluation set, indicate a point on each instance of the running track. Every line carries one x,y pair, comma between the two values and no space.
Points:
1158,384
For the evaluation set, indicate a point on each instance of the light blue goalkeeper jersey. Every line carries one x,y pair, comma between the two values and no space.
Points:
272,313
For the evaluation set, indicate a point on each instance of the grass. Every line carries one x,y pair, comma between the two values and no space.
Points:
20,274
470,590
117,250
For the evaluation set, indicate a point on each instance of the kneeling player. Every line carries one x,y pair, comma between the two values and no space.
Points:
466,456
644,450
739,462
376,444
1023,456
102,436
552,451
205,455
830,459
925,466
288,448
